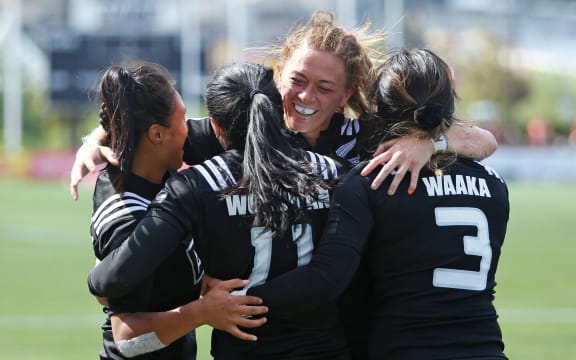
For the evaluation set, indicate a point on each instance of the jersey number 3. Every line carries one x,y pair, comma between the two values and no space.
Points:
478,245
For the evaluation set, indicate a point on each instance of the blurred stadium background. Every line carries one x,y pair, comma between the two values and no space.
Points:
514,64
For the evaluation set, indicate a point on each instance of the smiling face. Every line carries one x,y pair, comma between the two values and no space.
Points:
313,87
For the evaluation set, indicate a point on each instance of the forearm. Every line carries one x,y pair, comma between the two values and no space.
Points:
140,333
471,141
169,325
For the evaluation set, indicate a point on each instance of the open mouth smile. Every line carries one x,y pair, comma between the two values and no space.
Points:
304,110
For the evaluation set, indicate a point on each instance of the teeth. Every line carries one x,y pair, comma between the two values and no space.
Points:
304,111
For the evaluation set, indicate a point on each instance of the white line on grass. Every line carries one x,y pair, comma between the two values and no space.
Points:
83,321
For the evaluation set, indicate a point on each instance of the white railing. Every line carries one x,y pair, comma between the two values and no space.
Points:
550,163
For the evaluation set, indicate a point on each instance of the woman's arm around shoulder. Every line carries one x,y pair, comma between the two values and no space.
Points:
139,333
410,154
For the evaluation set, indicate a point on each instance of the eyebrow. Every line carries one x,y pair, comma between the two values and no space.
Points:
323,81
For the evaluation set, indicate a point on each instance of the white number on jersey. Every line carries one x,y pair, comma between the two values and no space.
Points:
478,245
262,243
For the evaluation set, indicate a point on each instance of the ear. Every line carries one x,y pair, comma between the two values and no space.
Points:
217,128
156,134
219,133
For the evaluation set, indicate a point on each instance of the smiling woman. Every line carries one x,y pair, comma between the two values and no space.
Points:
322,71
313,86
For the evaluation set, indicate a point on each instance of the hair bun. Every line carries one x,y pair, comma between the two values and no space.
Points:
428,116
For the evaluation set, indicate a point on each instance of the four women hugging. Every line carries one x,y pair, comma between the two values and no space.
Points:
312,252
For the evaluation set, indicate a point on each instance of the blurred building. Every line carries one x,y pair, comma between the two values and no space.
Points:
539,33
66,42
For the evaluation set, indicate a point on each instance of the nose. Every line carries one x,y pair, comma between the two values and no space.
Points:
307,93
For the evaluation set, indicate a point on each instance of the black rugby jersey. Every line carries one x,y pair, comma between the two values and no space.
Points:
230,247
432,258
115,215
349,139
353,140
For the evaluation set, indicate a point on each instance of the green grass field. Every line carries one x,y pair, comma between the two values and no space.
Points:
45,255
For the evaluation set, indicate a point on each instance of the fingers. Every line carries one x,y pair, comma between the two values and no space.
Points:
228,312
248,300
241,334
251,309
382,175
380,149
401,155
83,164
247,323
414,175
390,160
227,285
108,155
401,170
383,154
398,176
252,323
395,165
375,162
208,283
74,190
76,174
384,147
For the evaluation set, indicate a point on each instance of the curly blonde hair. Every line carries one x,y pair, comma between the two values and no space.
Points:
358,49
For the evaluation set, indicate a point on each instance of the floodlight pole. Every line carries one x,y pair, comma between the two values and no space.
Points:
12,78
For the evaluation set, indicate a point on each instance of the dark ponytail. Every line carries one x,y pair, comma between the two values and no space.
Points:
134,97
428,116
244,100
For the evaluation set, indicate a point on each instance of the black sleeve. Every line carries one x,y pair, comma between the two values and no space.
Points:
114,234
201,143
136,259
159,233
335,260
369,138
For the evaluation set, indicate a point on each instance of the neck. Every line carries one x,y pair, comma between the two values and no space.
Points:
311,137
148,167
